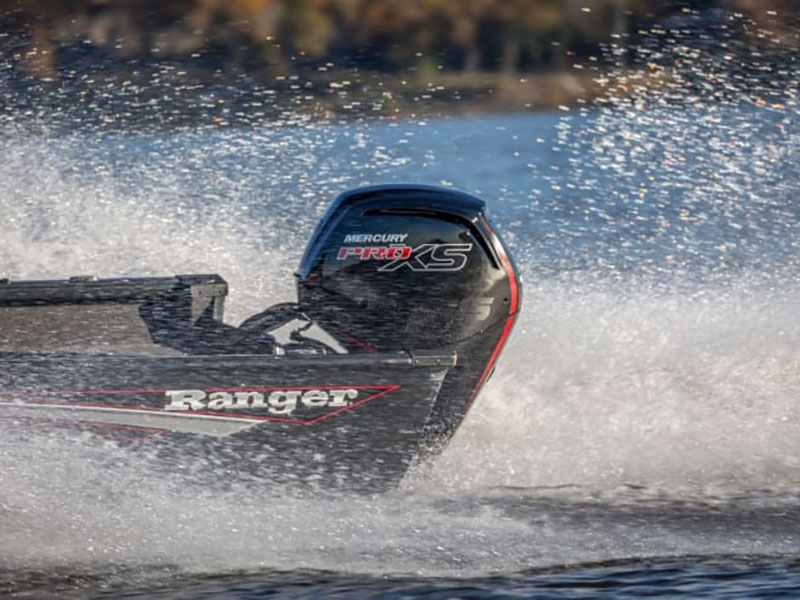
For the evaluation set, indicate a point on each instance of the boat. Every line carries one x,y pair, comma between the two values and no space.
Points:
405,297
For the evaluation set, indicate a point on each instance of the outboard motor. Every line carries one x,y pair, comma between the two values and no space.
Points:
411,267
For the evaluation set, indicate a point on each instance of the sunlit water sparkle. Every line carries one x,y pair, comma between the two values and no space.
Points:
646,406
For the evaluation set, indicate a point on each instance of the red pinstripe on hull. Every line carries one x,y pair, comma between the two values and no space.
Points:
513,307
55,399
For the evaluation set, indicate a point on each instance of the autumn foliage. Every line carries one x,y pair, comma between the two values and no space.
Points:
44,37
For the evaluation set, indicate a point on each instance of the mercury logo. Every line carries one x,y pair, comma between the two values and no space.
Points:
375,238
277,402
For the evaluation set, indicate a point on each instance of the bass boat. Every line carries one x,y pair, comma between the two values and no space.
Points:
405,298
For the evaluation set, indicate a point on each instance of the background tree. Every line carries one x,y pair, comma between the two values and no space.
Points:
386,35
526,24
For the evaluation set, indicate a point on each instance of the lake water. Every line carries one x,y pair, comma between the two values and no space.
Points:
640,435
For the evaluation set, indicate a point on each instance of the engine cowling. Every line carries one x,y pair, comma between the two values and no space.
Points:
411,267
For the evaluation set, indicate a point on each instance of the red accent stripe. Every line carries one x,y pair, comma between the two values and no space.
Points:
363,345
390,389
209,389
385,389
512,314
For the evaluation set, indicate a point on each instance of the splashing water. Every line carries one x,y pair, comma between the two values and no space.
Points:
650,385
627,385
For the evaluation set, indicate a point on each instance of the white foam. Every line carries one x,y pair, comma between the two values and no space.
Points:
679,388
606,384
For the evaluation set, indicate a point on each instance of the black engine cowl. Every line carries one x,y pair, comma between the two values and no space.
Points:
411,267
406,267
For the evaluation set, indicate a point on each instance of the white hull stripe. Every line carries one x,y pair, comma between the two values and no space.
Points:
199,424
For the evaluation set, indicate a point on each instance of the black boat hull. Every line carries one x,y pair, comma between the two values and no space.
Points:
354,420
405,298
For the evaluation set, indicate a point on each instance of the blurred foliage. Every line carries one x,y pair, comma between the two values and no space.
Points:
167,63
48,38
